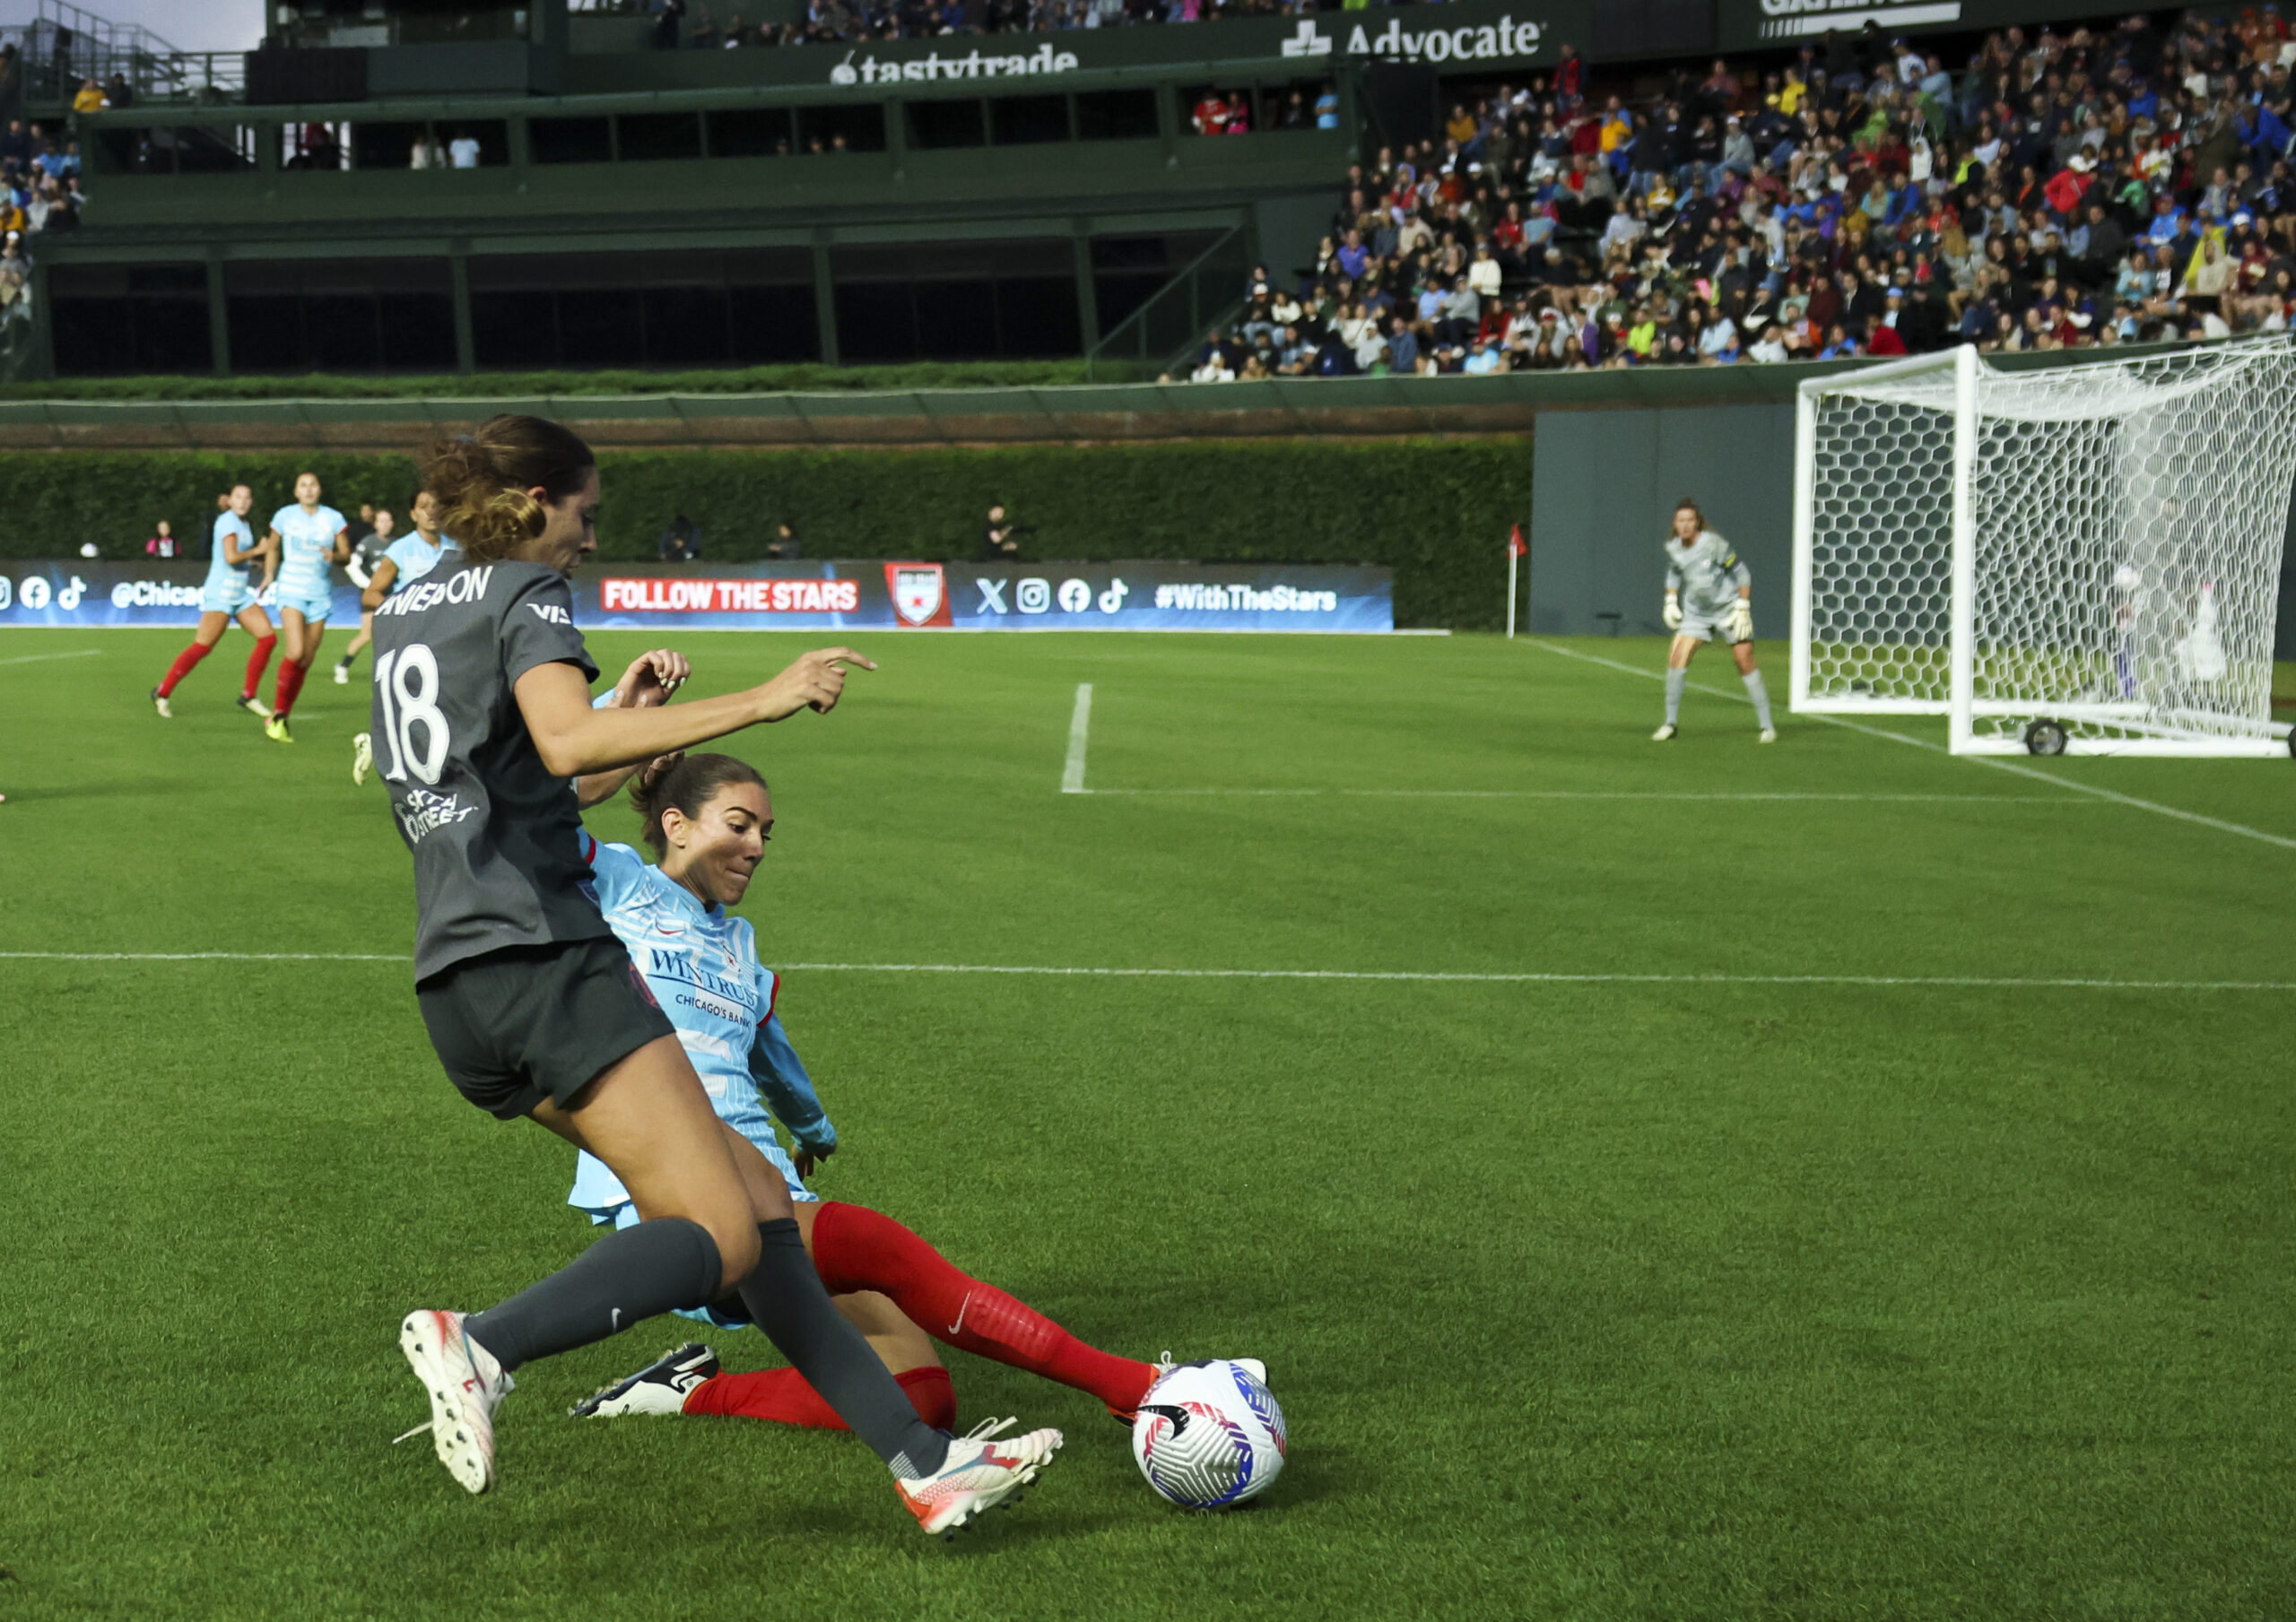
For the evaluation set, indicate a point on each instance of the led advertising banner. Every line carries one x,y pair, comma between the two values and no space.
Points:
839,595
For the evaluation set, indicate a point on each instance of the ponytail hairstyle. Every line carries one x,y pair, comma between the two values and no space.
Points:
481,479
689,784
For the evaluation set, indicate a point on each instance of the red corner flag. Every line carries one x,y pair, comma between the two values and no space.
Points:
1515,545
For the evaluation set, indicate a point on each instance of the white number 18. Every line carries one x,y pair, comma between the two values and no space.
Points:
408,680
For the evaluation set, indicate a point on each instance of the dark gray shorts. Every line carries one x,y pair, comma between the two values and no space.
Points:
528,1023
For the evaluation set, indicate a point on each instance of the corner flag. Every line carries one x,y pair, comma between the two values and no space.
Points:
1515,549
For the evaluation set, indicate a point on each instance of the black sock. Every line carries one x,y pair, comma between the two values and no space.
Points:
785,1298
624,1278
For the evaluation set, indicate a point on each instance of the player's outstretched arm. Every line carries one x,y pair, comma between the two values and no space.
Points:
650,679
575,740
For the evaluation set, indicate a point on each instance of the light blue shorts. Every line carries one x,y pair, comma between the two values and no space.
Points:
315,609
625,1215
232,600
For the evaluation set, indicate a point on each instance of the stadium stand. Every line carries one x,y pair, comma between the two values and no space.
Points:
2061,190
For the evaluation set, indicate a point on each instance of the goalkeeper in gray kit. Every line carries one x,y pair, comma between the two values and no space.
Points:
1708,590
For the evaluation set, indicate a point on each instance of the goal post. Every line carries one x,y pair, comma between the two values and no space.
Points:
2082,557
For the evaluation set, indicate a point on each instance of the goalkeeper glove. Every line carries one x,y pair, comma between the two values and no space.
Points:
1742,621
1673,613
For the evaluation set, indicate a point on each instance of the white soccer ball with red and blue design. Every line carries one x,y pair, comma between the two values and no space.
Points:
1209,1435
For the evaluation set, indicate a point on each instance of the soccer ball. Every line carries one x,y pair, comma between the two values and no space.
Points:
1209,1435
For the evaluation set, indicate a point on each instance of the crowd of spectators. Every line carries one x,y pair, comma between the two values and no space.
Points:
2063,189
39,192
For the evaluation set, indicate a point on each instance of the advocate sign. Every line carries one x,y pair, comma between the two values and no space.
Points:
1462,32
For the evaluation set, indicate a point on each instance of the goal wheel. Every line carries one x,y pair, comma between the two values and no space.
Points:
2045,738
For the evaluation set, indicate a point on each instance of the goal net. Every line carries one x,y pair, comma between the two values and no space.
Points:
2086,553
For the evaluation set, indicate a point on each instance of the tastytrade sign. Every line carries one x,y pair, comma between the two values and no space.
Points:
1503,39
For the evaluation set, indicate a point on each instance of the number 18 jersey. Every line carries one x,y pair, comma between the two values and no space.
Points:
497,839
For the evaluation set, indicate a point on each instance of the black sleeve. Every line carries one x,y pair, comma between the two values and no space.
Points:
538,627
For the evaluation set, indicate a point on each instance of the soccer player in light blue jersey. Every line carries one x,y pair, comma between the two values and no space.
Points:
399,563
708,817
1709,592
309,537
232,591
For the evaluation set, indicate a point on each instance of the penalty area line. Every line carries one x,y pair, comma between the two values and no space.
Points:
2114,796
1436,977
1080,731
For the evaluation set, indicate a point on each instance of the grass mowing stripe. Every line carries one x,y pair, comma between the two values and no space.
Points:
1079,729
1979,982
2114,795
77,652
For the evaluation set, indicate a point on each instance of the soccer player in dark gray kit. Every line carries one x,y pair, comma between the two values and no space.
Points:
483,723
1708,590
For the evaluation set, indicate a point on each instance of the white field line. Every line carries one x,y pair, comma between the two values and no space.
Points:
2037,775
1080,731
1616,793
77,652
1934,982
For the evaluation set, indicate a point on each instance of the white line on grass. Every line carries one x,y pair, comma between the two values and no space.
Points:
211,957
1971,982
1079,731
77,652
2113,795
1612,794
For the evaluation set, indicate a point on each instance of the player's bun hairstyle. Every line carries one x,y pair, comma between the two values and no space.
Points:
689,786
481,479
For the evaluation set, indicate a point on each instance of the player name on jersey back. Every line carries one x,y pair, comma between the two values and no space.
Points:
464,585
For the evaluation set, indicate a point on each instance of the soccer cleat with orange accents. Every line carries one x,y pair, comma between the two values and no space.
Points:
465,1386
979,1474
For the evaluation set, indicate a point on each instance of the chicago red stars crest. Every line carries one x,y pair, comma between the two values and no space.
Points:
920,593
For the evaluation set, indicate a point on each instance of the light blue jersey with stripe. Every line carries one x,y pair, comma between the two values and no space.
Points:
701,966
414,558
304,540
230,530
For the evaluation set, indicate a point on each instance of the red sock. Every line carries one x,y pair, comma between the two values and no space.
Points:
257,662
780,1396
856,1248
182,667
290,682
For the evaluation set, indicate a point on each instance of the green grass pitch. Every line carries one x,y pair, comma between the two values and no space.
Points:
1644,1297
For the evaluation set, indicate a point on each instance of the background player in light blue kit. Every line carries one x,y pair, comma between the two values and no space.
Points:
308,537
232,591
1708,589
398,563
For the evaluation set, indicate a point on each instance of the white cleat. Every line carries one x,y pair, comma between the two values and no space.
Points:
979,1474
160,702
465,1384
1769,734
661,1387
343,675
362,758
1665,734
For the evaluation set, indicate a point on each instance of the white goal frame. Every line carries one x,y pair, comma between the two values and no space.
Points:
1919,613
